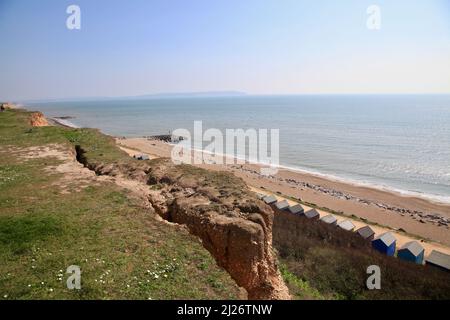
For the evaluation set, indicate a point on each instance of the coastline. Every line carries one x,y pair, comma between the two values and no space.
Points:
437,199
63,123
401,184
414,215
286,235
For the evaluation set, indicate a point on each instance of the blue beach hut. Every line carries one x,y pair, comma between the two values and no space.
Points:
385,243
411,251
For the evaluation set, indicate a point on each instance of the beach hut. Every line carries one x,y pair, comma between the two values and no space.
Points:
439,260
366,232
260,196
312,214
347,225
329,219
269,199
282,205
385,243
411,251
297,209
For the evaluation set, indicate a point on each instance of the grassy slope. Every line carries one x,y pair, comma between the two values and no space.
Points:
322,261
123,252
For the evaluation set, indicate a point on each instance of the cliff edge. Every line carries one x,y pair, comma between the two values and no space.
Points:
233,225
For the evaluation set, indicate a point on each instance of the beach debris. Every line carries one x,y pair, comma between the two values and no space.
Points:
166,138
141,157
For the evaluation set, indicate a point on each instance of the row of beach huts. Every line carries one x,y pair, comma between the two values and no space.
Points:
385,243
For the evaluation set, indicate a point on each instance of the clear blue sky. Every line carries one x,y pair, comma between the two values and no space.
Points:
257,46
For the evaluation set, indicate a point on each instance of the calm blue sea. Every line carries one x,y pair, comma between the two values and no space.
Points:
399,142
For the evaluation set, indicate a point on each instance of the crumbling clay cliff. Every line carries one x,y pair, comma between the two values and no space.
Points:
37,119
234,226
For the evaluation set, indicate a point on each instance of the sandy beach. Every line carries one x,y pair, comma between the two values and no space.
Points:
415,217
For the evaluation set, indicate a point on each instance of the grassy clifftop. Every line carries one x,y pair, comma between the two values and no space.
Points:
50,220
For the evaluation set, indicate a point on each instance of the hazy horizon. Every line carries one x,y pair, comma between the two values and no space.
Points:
211,94
258,47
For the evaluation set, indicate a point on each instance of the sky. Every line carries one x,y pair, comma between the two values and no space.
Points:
140,47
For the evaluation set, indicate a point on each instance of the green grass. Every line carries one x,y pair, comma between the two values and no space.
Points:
122,250
334,263
299,288
17,234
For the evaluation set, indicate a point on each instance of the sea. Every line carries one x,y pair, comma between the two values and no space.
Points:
394,142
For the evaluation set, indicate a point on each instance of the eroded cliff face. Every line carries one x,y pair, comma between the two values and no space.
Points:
234,226
6,106
37,119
